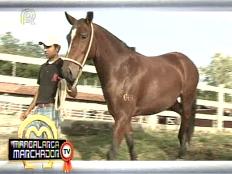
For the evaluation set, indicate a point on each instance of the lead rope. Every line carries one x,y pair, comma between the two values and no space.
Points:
61,96
62,84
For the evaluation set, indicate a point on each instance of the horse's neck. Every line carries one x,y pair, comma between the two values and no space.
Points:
109,47
110,53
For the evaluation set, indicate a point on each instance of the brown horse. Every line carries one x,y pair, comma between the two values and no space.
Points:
132,83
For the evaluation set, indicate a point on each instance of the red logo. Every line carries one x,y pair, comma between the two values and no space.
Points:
55,77
67,152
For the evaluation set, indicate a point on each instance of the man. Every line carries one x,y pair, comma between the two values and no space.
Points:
49,76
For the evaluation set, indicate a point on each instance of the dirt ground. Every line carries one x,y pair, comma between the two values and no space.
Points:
8,129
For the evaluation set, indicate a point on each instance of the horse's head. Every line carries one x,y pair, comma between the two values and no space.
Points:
80,40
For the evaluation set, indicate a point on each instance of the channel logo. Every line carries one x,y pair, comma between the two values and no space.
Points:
44,145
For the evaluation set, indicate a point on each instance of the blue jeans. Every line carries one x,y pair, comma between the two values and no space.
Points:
51,113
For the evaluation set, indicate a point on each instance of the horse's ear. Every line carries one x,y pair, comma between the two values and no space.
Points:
89,16
70,19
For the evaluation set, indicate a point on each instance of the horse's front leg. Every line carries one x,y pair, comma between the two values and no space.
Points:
118,134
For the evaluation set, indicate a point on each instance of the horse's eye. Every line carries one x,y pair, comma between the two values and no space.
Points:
83,35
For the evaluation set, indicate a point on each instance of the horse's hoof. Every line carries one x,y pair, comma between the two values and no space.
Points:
109,156
134,158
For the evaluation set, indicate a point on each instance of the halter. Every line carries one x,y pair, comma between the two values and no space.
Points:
81,65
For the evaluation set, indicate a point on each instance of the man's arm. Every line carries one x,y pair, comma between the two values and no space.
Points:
24,115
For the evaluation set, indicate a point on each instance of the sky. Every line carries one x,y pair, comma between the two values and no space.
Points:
198,34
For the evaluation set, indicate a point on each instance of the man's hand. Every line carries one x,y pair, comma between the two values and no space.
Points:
72,92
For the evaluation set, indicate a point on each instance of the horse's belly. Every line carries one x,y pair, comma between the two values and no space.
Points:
153,107
156,102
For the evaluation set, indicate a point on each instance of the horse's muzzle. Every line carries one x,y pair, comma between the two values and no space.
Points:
68,75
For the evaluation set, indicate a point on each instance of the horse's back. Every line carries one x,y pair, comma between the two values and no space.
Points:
189,70
184,65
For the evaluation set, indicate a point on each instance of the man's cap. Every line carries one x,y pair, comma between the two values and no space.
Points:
49,41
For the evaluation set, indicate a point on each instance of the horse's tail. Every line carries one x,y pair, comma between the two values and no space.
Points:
192,120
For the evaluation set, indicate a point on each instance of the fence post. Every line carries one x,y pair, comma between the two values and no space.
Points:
13,73
85,82
152,121
220,110
95,83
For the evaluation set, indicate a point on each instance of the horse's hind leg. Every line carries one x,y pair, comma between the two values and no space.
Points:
187,124
130,142
177,107
118,134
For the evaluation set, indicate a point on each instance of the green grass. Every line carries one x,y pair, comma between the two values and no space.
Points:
92,141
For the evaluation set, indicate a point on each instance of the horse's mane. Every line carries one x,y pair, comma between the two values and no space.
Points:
105,30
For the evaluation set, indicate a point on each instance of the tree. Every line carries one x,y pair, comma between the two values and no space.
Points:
11,45
30,49
219,71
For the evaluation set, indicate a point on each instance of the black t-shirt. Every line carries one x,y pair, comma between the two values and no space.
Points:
49,76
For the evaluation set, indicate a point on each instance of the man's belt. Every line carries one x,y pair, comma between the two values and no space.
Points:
45,105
